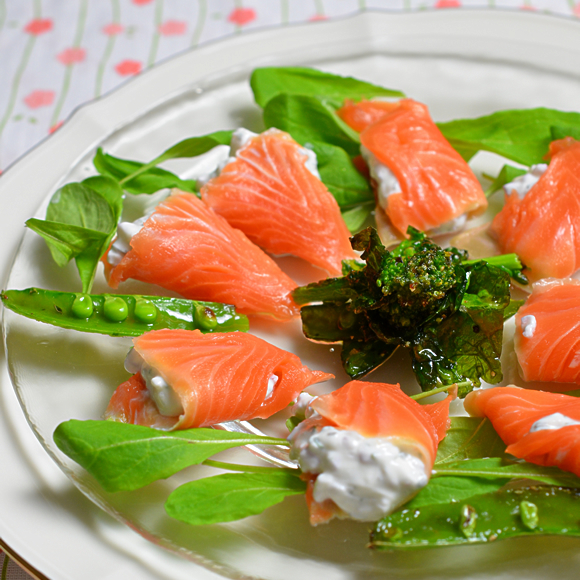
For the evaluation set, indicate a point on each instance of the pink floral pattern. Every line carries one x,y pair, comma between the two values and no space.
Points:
128,67
38,26
37,99
173,28
242,16
113,29
71,55
448,4
141,2
55,127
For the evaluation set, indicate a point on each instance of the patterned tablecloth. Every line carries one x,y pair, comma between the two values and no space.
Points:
58,54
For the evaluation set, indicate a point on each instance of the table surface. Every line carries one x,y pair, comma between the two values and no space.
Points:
56,55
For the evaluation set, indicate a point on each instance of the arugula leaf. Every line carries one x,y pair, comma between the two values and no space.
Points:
522,135
341,177
498,515
78,205
560,132
506,175
121,456
269,82
232,496
469,438
194,146
149,181
311,120
499,468
447,489
81,221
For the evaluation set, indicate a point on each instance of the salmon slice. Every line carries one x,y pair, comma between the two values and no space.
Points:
547,338
543,228
375,411
268,192
185,247
359,116
435,185
217,377
516,415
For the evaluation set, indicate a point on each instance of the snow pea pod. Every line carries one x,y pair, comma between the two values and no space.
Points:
122,315
529,511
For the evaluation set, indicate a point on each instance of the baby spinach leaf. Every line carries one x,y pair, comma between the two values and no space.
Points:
522,135
560,132
309,120
231,496
124,457
340,176
506,175
469,438
269,82
148,181
356,217
498,515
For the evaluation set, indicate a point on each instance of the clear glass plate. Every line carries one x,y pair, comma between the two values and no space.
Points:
460,66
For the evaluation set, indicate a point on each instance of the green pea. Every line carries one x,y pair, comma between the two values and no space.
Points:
145,311
82,306
529,514
204,317
115,308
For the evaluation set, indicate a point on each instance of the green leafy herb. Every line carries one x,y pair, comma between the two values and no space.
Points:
148,181
124,457
447,311
232,496
269,82
439,524
81,221
522,135
311,120
469,438
506,175
342,178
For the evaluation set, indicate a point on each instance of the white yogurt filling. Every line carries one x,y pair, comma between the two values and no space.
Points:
528,324
167,400
122,243
367,478
553,421
523,183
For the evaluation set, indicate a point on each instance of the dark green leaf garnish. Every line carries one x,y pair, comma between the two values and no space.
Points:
447,311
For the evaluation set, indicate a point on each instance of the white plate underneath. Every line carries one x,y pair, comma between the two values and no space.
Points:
461,63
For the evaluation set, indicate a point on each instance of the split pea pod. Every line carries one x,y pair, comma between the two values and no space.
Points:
122,315
530,511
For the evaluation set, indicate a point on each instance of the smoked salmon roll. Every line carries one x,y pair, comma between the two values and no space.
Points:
187,248
420,180
540,427
542,224
547,338
271,191
187,379
366,449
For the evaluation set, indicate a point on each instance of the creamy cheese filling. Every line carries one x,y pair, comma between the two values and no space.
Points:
553,421
167,400
523,183
367,478
528,324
